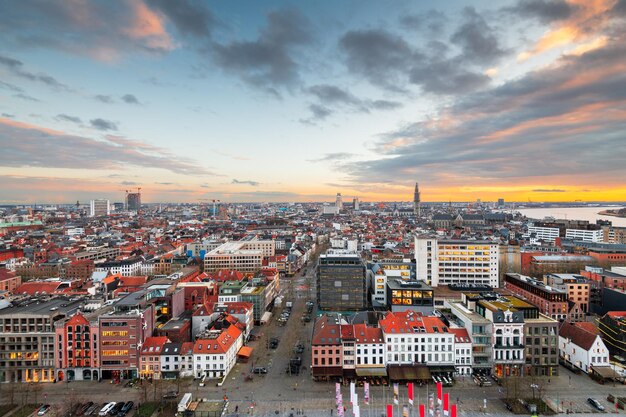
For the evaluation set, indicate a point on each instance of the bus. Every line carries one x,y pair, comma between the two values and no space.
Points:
184,403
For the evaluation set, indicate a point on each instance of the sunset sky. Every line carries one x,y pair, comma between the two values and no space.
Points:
296,101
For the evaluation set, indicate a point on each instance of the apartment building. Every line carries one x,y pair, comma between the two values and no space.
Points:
27,338
414,339
578,290
103,253
379,272
462,351
150,354
245,255
445,261
215,353
126,267
98,208
326,349
370,351
551,301
76,349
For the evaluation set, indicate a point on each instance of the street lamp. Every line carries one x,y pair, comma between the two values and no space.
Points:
534,387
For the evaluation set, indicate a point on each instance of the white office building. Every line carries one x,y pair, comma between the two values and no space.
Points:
99,208
585,235
444,261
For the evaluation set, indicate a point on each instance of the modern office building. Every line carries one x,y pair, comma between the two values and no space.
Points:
445,261
341,282
98,208
585,235
133,201
380,271
403,295
548,234
245,255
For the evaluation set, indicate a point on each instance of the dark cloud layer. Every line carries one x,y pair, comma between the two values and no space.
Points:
546,11
68,118
188,16
31,146
557,121
267,62
332,97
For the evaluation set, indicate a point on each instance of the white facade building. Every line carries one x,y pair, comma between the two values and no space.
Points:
581,348
549,234
99,208
444,262
585,235
216,354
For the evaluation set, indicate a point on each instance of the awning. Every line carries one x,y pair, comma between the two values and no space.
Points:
408,373
606,372
245,352
371,372
327,371
441,369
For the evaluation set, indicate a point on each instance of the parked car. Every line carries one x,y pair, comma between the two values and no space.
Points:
125,409
595,403
92,409
170,395
273,343
105,410
116,408
259,370
43,409
83,409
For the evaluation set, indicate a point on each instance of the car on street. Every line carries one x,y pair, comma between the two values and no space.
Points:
106,408
273,343
125,409
116,408
595,403
170,395
92,409
83,408
43,409
259,370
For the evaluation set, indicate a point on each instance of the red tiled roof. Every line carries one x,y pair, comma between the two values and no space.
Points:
154,344
616,314
77,319
460,335
578,335
405,321
5,274
590,327
365,334
36,287
326,332
220,345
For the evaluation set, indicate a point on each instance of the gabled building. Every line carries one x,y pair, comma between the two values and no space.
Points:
582,348
215,353
370,351
77,349
151,351
326,349
171,360
462,351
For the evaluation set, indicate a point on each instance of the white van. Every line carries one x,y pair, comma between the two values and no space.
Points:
105,410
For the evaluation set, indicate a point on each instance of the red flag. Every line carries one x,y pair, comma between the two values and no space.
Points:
410,386
439,392
453,410
446,402
389,410
422,410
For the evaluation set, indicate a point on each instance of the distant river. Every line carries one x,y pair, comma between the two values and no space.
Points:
574,213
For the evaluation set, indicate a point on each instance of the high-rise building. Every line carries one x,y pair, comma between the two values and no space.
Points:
448,261
133,201
417,209
338,202
355,204
341,282
99,208
501,202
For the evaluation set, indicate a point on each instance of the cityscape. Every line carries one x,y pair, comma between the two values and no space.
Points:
318,209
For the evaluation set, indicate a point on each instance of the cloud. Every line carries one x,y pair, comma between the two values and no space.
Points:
432,21
16,68
188,16
252,183
10,116
552,124
478,41
378,55
102,124
129,183
26,145
268,62
389,61
104,99
101,30
130,99
67,118
26,97
544,190
546,11
333,157
331,96
10,87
